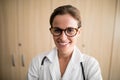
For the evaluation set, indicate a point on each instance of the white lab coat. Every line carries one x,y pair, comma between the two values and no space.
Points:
50,70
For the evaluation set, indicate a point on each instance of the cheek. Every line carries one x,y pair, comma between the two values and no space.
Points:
55,38
74,40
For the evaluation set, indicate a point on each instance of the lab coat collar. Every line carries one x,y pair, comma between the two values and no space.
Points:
52,55
54,66
77,55
73,65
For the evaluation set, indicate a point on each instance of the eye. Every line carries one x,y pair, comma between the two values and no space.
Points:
70,30
56,30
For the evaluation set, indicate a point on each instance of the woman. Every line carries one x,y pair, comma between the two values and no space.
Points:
65,62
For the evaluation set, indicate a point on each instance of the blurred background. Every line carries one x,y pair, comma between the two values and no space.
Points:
24,33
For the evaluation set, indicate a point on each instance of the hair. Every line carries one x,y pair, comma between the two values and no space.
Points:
66,9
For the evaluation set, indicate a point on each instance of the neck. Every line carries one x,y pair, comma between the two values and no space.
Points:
65,56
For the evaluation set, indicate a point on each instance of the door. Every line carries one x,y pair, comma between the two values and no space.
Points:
115,62
24,33
9,56
33,26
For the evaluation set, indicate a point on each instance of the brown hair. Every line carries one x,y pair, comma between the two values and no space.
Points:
66,9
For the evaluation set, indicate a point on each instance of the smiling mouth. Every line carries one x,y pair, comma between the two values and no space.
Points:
63,43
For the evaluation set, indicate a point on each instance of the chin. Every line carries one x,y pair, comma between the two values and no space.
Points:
64,49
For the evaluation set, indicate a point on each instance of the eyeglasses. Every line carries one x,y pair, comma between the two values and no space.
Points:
70,32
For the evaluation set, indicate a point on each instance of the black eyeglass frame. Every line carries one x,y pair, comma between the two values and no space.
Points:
65,31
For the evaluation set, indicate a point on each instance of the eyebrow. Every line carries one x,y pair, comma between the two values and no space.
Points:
63,29
66,27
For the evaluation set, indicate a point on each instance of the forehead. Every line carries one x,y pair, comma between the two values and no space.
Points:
64,21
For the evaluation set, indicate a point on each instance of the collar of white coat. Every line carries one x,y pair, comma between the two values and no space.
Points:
77,56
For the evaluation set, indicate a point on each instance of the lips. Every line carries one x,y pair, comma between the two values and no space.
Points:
63,44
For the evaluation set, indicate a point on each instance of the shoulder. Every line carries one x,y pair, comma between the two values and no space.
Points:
87,59
34,66
91,67
89,62
37,59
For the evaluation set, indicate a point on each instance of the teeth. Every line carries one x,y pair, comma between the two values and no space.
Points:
63,44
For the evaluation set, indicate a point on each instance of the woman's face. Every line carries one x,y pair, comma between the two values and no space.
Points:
64,43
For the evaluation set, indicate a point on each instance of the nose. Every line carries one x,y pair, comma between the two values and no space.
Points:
63,36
